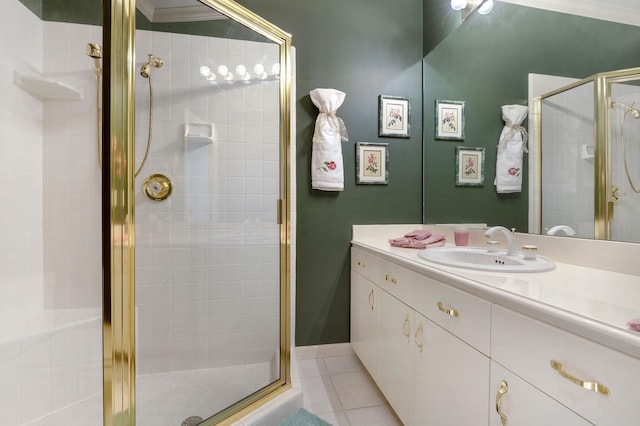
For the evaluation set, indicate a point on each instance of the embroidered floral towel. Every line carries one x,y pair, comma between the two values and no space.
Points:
512,145
327,173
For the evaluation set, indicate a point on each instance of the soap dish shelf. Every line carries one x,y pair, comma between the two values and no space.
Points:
47,89
199,133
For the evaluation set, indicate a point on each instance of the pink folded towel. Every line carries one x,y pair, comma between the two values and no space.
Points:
432,240
634,324
419,234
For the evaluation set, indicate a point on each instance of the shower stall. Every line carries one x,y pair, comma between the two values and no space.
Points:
146,213
585,165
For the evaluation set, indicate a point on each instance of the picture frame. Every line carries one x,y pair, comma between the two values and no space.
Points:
469,166
450,120
394,117
372,161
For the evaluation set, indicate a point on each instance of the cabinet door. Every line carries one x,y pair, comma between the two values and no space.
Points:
395,354
363,321
516,402
451,378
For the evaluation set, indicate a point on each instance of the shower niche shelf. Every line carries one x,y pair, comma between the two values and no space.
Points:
198,133
47,89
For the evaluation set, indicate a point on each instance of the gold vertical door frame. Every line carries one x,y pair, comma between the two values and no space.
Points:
602,163
118,214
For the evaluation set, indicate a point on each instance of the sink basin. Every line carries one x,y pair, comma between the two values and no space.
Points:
480,259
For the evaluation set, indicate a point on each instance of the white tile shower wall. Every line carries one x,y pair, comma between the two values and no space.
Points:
72,257
21,175
627,210
50,370
567,177
207,258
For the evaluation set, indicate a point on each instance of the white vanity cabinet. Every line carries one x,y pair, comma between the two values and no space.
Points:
451,378
364,297
395,355
518,403
429,375
596,382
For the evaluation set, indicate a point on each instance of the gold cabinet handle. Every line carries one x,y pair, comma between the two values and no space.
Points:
418,337
362,264
592,386
405,328
504,388
448,311
390,279
371,299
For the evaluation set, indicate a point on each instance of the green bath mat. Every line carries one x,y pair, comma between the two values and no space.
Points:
302,417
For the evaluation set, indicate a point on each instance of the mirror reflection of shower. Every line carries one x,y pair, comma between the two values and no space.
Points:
95,51
635,113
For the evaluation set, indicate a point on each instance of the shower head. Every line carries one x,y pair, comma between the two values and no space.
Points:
154,62
630,108
95,51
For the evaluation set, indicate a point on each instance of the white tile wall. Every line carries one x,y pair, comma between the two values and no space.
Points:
206,258
21,176
72,252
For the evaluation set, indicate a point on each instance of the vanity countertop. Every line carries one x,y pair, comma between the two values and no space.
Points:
593,303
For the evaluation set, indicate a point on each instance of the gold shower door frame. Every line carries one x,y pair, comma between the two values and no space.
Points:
118,212
604,198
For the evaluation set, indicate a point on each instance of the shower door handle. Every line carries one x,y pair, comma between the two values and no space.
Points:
279,207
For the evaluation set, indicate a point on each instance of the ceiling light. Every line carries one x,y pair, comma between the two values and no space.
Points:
486,7
458,4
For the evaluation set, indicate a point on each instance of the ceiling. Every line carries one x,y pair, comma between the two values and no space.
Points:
623,11
177,11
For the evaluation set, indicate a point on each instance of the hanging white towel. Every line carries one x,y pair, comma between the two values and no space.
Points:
327,173
511,146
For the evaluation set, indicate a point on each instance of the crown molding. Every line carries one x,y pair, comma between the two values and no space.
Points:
177,14
620,11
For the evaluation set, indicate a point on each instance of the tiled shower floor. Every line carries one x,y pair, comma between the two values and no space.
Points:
166,399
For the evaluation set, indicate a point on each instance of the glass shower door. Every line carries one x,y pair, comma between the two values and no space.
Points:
208,284
625,160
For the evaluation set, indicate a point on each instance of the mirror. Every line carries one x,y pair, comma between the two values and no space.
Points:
486,62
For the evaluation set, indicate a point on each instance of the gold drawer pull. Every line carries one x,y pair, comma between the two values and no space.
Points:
405,328
371,299
504,388
592,386
390,279
448,311
362,264
418,337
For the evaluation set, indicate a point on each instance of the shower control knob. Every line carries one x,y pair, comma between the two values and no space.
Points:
157,187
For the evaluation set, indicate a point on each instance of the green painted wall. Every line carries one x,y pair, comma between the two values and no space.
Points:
485,63
364,48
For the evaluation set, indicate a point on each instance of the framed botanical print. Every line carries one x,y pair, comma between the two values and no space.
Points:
371,163
450,120
469,166
393,117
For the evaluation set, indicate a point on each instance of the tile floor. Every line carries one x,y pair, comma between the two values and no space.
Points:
337,388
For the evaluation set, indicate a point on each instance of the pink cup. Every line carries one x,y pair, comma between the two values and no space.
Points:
461,237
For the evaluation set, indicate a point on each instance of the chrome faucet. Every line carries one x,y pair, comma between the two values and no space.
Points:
511,241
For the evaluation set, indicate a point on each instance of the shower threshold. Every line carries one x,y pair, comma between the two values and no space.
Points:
169,399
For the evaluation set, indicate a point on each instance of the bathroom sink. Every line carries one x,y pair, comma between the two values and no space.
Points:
483,260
